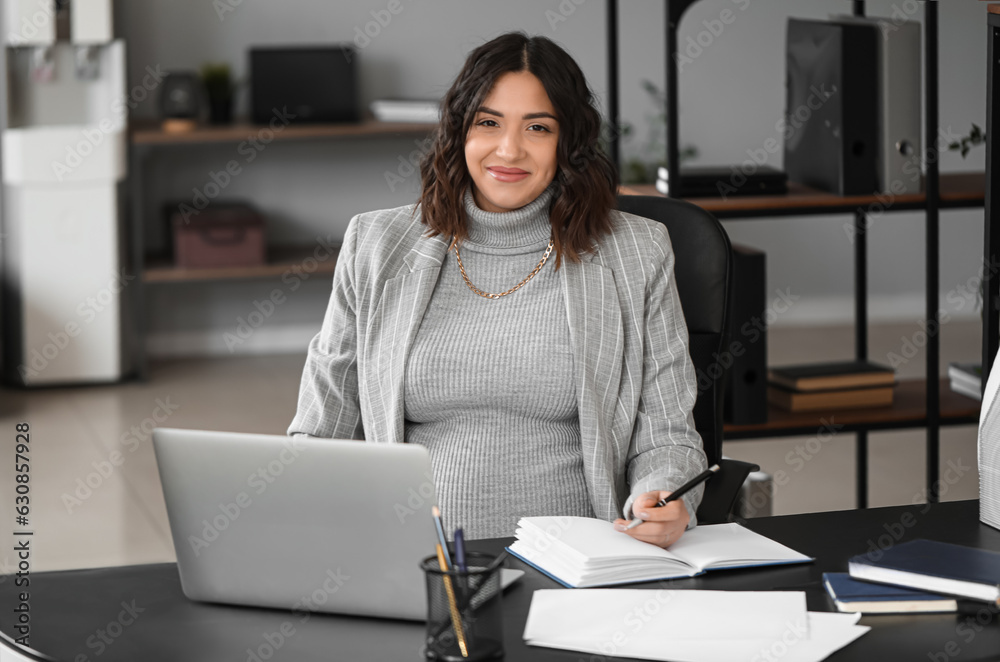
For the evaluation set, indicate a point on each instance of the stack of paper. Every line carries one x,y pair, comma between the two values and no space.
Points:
687,625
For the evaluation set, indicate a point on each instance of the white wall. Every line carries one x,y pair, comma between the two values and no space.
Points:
731,95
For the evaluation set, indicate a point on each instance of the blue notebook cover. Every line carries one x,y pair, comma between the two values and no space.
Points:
852,595
933,565
544,572
759,564
587,552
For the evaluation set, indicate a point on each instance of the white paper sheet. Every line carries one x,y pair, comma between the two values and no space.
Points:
821,636
615,614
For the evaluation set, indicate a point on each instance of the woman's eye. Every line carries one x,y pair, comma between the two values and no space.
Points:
484,123
539,126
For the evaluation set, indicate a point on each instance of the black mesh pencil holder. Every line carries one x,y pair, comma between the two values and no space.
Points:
464,614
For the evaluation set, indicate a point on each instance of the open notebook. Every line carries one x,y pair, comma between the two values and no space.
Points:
581,552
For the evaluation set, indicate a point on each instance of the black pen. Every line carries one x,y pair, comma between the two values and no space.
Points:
679,492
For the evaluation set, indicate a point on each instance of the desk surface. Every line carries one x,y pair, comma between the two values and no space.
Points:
69,608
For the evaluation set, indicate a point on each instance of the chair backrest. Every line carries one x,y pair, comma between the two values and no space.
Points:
703,274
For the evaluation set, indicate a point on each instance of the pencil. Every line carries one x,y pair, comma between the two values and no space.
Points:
456,618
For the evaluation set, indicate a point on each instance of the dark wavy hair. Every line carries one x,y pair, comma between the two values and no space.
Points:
586,180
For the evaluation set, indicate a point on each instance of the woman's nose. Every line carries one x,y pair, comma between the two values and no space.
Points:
510,147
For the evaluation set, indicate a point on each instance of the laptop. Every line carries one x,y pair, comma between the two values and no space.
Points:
299,523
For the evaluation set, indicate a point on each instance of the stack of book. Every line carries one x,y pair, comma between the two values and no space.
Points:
967,379
917,576
834,385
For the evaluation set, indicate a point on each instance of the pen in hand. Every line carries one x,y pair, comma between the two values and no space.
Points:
679,492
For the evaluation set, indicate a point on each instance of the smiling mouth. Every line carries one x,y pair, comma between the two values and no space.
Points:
508,175
507,171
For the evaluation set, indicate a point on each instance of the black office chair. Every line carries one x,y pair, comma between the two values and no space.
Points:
704,277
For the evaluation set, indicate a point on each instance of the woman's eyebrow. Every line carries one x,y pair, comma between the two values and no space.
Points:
529,116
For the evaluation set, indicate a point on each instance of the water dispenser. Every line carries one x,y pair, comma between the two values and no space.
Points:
64,148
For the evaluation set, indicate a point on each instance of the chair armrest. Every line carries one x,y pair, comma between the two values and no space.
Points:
722,489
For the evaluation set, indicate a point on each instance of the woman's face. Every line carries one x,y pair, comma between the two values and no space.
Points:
510,150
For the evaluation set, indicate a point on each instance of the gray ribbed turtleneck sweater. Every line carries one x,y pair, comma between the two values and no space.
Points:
489,386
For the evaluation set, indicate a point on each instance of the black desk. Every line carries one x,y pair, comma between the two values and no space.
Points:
68,608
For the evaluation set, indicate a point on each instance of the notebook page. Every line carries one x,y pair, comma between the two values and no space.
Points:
595,540
723,545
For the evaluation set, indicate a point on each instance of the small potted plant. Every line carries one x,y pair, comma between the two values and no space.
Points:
219,86
642,169
976,137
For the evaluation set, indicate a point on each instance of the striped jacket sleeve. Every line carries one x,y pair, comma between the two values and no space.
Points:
665,450
328,404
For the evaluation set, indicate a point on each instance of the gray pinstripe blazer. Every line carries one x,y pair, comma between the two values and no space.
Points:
635,382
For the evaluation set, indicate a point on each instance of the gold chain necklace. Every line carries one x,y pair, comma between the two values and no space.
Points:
489,295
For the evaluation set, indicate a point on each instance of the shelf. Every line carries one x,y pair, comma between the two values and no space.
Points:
297,261
958,190
908,410
955,191
150,133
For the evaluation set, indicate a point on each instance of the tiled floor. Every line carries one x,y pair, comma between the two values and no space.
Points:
119,518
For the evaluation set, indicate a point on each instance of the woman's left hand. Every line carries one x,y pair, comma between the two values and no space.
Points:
662,526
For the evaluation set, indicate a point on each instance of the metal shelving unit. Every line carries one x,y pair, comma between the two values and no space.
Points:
147,138
939,405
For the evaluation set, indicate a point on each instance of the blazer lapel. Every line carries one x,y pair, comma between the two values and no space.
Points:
394,326
597,341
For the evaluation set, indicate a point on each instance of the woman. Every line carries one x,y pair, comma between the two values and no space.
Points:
538,389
